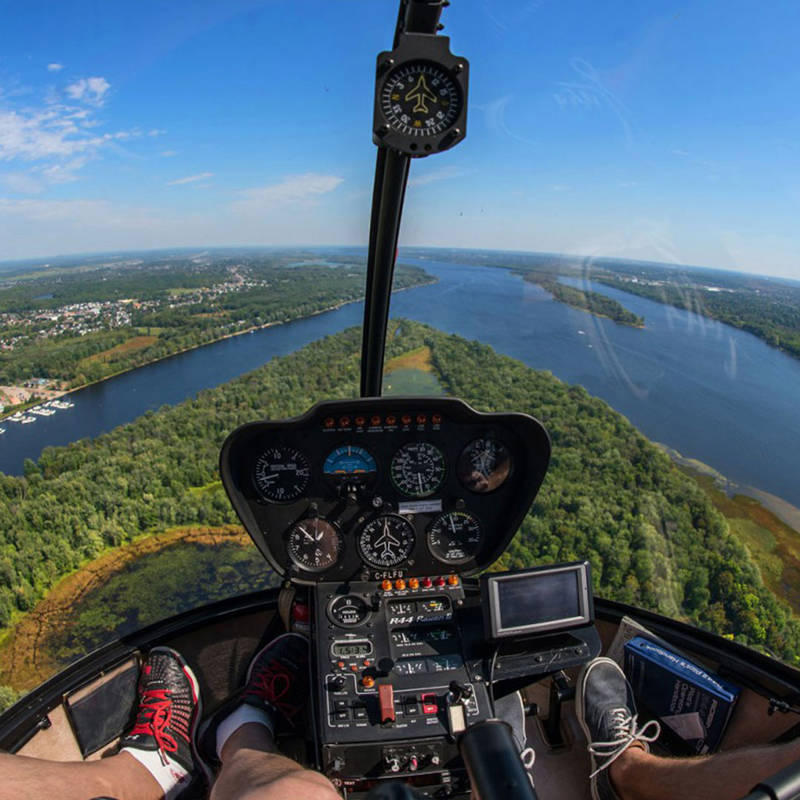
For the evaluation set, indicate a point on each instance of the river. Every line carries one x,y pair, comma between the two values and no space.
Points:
712,392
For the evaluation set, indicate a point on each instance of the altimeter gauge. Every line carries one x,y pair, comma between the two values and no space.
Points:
484,465
314,544
386,541
281,474
417,469
420,96
455,537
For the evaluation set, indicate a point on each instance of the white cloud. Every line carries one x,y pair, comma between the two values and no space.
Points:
156,132
292,189
89,90
191,179
168,153
54,67
441,174
22,183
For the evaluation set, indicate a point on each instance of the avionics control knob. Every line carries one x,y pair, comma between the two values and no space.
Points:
338,764
413,764
392,764
336,683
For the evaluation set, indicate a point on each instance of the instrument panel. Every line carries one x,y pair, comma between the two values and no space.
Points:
384,488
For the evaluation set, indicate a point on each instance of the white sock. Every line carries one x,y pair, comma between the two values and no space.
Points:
241,716
171,777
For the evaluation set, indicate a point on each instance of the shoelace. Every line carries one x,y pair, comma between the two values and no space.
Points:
271,684
155,716
625,733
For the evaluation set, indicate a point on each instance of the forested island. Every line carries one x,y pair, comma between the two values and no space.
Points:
769,308
593,302
67,327
653,537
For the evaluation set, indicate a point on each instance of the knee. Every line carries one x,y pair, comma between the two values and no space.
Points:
296,784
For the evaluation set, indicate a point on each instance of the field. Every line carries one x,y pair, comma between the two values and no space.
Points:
121,350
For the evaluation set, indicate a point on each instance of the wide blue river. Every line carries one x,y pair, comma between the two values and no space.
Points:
710,391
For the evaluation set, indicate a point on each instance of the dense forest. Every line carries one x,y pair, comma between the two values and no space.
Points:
611,496
594,302
177,306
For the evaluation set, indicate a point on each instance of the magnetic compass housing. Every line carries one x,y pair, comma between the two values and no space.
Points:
420,96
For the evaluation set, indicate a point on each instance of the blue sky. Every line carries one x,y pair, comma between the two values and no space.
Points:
658,130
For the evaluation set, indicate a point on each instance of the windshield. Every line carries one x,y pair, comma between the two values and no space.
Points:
184,214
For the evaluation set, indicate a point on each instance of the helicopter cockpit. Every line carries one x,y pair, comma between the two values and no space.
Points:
382,517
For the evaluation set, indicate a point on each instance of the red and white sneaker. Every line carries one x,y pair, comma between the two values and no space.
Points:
162,738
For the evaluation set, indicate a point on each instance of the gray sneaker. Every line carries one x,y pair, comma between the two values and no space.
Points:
607,713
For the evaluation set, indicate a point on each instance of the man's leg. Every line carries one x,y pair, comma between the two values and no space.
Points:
252,769
638,775
157,757
624,769
242,738
120,776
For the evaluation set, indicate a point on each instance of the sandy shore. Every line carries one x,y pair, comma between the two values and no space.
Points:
783,510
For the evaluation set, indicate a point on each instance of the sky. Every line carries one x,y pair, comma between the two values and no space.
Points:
665,131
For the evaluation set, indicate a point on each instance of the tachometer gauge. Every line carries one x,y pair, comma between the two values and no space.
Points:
455,537
484,465
386,541
281,474
314,544
417,469
350,464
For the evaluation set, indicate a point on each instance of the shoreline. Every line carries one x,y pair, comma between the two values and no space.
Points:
782,509
58,394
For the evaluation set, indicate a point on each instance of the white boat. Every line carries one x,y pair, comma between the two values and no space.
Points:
16,417
2,430
43,412
27,420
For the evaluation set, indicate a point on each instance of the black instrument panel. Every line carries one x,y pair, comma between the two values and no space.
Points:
384,488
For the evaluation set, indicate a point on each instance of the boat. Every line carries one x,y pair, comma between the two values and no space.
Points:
381,537
2,430
27,420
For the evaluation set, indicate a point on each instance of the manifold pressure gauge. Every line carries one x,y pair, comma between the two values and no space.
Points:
420,96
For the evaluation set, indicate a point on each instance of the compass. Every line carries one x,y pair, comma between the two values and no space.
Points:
421,96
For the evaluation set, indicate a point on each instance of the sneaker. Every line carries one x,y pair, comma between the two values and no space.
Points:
607,713
277,684
277,680
169,708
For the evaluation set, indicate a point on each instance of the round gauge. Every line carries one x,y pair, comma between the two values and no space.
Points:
314,544
348,610
386,541
281,474
454,537
417,469
420,99
484,465
348,463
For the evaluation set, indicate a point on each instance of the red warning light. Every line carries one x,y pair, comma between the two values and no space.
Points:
406,419
330,422
360,421
422,419
391,419
375,421
344,422
436,419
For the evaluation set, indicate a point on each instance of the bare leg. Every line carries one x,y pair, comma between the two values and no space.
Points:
120,776
252,769
638,775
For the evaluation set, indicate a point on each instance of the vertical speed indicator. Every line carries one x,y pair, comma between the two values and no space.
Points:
418,469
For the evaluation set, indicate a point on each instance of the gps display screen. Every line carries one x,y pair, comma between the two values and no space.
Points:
539,598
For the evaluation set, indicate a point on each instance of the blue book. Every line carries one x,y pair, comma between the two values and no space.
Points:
693,705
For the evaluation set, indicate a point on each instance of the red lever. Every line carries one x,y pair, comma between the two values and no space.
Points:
386,701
